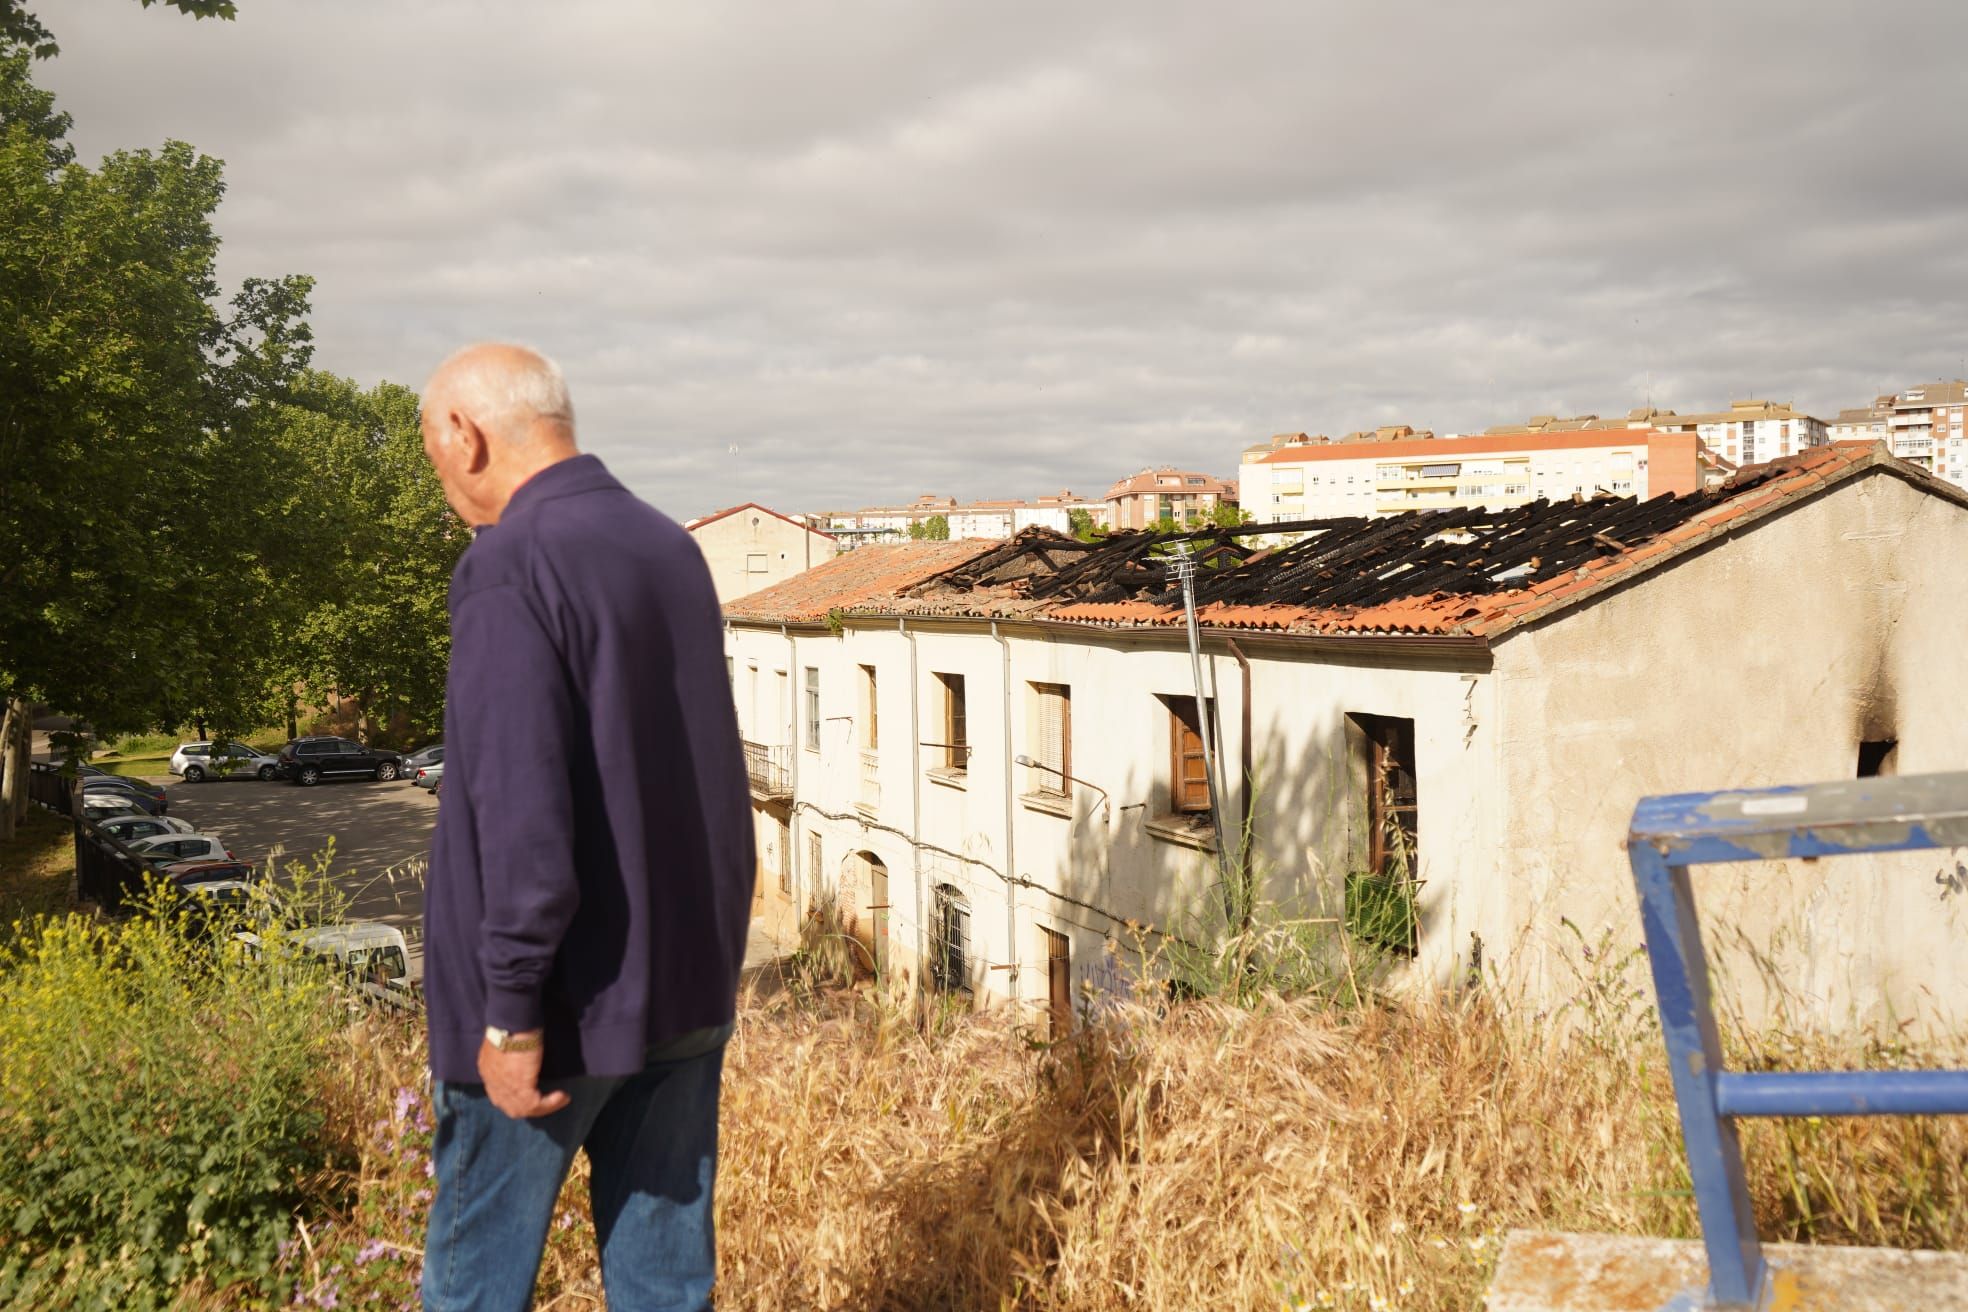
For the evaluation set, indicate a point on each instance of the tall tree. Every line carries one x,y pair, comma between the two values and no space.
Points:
129,404
370,510
19,26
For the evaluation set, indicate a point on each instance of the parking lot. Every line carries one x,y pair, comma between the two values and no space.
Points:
381,834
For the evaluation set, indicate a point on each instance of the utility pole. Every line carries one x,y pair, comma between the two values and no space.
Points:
1184,566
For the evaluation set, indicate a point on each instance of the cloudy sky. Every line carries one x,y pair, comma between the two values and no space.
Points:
826,255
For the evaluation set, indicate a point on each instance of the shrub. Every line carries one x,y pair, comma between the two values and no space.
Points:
158,1124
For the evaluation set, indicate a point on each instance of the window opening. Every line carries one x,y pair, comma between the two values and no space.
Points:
813,708
1878,757
1059,982
870,725
950,953
1188,771
786,857
1053,703
1381,902
956,722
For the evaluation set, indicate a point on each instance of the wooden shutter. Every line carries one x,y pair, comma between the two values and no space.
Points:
1188,771
956,722
1055,738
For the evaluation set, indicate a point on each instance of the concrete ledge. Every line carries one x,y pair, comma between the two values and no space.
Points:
1545,1272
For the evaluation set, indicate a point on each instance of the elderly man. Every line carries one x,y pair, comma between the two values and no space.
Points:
591,875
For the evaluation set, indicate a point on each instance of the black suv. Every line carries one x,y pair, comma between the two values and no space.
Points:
308,761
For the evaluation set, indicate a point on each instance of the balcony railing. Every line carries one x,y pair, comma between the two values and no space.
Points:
869,799
769,769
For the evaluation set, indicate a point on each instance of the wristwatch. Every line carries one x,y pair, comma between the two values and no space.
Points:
507,1041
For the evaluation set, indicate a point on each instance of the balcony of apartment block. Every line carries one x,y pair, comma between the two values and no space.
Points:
1445,482
1911,419
769,770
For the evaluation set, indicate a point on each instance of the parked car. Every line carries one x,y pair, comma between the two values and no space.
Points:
162,850
201,761
111,804
130,828
308,761
428,776
149,797
186,873
421,759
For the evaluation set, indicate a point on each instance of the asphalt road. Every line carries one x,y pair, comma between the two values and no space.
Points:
380,832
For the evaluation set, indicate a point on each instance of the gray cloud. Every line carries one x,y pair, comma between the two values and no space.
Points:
898,247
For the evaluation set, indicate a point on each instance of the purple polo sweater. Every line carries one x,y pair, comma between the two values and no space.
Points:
593,864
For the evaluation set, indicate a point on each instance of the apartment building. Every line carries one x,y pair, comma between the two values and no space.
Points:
1385,477
1181,496
982,520
990,755
750,547
1748,432
1865,424
1923,424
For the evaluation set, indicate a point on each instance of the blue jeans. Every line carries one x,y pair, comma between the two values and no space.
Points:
651,1141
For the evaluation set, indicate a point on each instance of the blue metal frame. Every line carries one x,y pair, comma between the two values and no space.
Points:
1670,834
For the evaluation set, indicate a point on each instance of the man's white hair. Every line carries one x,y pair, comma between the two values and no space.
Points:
505,387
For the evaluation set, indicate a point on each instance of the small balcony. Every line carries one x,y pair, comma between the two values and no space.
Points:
769,770
869,798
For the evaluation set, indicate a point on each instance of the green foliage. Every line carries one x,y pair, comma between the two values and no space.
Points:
158,1117
365,523
1381,910
132,412
1080,521
194,526
934,529
20,27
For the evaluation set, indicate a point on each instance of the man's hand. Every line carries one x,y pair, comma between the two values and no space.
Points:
512,1082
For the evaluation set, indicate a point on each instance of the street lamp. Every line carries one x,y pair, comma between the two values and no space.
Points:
1106,802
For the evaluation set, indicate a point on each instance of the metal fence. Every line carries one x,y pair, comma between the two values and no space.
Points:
106,871
49,787
1669,835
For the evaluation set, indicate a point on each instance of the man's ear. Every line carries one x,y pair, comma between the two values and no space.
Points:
473,444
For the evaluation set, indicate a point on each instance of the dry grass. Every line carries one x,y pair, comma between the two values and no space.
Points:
1283,1155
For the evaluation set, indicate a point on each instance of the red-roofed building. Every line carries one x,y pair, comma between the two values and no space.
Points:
749,547
991,754
1180,496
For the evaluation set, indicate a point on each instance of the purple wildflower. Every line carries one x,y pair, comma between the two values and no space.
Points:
370,1251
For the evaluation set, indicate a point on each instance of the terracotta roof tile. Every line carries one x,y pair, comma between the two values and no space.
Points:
865,577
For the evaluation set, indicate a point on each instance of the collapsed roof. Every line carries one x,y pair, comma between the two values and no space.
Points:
1457,572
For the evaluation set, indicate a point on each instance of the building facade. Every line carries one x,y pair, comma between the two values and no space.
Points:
749,547
1001,783
1180,496
975,520
1927,425
1312,481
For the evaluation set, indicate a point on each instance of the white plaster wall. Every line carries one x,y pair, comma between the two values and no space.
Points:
1087,873
789,549
1763,660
